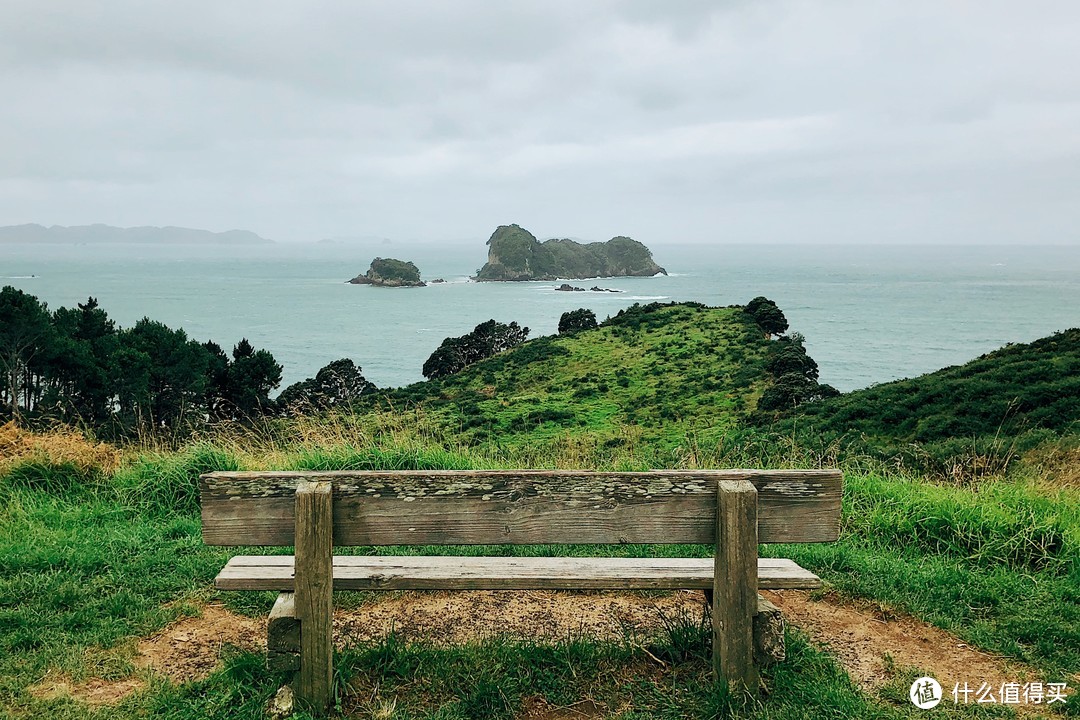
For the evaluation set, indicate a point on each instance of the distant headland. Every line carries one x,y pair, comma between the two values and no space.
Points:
388,272
149,235
515,254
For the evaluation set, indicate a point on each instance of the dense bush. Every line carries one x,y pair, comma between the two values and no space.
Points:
966,420
575,320
339,383
767,315
487,339
76,366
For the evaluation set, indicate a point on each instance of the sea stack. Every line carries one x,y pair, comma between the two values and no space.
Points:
388,272
514,254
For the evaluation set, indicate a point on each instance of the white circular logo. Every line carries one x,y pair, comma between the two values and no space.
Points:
925,693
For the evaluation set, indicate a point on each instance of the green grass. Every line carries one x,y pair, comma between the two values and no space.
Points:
91,560
670,370
999,566
87,563
962,421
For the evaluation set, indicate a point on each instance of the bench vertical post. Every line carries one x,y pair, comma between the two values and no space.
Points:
735,584
314,584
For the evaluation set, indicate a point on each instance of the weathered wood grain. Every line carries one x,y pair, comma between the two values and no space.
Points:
283,635
735,584
769,646
519,506
314,599
275,572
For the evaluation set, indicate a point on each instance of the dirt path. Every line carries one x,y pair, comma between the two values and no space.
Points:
860,635
457,617
869,642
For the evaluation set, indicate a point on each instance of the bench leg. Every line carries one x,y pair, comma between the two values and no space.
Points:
769,644
283,636
735,585
314,584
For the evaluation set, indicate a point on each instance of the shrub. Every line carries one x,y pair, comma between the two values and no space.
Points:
577,320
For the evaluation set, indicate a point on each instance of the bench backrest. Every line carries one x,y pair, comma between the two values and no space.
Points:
489,507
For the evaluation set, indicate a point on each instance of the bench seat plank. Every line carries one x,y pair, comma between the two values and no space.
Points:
398,572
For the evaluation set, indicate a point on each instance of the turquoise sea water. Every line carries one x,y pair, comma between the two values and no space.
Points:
870,314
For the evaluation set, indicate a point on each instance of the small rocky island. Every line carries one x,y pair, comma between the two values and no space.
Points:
388,272
515,254
567,287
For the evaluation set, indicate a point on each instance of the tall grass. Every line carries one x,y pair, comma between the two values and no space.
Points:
90,556
1003,523
157,483
57,446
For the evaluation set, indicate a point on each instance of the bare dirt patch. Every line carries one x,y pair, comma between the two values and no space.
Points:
190,648
458,617
94,691
870,641
538,708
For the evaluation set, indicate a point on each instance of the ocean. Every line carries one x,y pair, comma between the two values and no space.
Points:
870,313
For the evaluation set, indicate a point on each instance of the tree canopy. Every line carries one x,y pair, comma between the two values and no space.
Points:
75,365
767,315
339,383
575,320
794,376
487,339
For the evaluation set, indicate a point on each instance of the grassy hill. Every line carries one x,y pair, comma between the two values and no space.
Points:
665,370
101,547
969,418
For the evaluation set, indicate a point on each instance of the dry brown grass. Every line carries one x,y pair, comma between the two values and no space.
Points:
1056,464
56,447
275,443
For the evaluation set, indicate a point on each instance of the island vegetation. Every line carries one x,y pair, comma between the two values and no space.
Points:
388,272
514,254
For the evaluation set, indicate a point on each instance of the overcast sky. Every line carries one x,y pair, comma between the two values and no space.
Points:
860,121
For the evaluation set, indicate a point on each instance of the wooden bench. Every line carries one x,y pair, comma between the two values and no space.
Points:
733,510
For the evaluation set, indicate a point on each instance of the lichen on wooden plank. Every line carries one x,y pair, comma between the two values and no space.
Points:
518,506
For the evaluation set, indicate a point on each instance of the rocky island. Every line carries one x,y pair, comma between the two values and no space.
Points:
567,287
388,272
515,254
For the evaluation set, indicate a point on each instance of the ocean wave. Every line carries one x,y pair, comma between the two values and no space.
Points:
20,277
648,297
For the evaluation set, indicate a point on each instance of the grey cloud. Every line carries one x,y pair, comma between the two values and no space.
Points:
776,120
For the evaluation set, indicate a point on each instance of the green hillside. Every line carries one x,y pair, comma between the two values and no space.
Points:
101,547
665,369
981,413
683,373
